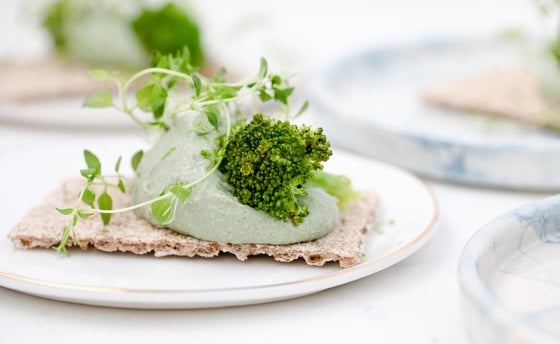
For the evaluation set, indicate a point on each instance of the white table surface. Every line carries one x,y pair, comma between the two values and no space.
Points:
415,301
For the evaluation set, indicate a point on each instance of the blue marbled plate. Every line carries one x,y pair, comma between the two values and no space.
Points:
370,103
510,276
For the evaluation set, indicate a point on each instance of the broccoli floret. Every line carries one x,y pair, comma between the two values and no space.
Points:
167,30
267,162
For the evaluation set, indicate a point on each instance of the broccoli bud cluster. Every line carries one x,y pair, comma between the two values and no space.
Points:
267,162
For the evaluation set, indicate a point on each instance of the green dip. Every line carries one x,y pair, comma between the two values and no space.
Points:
212,212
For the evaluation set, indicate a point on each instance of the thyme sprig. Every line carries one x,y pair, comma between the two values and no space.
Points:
171,87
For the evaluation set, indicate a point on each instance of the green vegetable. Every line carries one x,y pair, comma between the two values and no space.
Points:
162,209
268,162
53,22
338,186
135,160
167,30
99,100
105,202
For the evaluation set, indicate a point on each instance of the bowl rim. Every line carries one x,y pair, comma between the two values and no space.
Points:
474,288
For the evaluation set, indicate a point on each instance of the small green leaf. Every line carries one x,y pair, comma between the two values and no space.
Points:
92,161
197,83
181,192
118,164
121,185
83,215
65,211
282,94
100,74
145,97
152,97
89,173
159,124
161,210
88,197
212,116
158,108
264,96
202,129
276,80
224,91
263,69
302,109
205,153
136,158
75,220
105,202
99,100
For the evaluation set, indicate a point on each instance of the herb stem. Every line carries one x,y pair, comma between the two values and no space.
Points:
153,70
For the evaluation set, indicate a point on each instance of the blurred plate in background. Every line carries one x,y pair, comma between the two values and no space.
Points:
371,103
64,113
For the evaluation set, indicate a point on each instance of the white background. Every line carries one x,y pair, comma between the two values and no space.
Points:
416,301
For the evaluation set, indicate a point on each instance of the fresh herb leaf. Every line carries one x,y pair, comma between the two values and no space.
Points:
65,211
100,74
152,97
89,173
136,159
88,197
83,215
338,186
121,186
263,69
302,109
105,202
197,83
159,125
181,192
118,164
161,210
202,129
212,117
264,96
282,94
92,161
99,100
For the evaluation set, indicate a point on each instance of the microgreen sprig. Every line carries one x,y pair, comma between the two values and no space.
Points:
154,108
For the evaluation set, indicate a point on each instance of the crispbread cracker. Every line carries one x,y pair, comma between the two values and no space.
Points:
42,227
34,80
512,93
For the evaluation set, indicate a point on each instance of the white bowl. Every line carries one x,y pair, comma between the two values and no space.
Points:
509,273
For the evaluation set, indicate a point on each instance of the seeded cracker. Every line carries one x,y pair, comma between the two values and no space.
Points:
42,227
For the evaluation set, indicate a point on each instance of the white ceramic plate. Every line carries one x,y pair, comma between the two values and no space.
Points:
407,219
370,103
510,275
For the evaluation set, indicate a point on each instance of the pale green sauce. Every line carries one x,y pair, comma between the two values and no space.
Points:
212,212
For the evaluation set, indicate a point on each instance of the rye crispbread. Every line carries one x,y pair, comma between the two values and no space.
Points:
42,227
48,78
512,93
